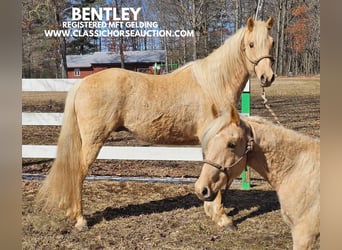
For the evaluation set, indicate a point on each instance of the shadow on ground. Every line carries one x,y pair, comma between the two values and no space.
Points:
263,201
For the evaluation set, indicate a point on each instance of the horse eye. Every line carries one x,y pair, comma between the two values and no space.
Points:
251,45
231,145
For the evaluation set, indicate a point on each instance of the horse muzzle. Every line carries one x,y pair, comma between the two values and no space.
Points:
266,81
205,193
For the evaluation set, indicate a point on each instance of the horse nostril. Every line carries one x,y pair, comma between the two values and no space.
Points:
263,78
205,192
273,77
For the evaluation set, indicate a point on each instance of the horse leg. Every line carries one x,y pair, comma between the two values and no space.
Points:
215,210
93,138
89,153
303,236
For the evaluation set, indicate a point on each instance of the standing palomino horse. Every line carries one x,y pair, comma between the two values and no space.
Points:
170,109
288,160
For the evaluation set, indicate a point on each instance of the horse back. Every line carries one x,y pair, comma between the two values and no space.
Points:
162,109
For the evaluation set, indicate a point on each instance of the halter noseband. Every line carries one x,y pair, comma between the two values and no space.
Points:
255,62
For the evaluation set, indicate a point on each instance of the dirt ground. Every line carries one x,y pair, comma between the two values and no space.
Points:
136,215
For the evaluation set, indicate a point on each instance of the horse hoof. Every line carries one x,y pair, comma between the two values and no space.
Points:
81,224
82,228
230,228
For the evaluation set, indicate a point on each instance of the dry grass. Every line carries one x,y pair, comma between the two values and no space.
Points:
135,215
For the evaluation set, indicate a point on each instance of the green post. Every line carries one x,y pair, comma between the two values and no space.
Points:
246,110
173,66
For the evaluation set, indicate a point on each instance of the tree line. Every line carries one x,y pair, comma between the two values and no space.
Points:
296,32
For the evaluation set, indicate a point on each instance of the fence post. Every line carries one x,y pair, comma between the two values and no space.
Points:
246,110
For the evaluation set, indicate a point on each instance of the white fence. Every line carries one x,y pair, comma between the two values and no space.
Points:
106,152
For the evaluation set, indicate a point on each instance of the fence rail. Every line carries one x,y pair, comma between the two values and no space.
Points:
44,85
42,119
124,153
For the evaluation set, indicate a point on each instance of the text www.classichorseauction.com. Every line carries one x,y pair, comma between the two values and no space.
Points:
105,22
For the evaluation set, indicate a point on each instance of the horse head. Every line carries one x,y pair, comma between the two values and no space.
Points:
225,145
257,47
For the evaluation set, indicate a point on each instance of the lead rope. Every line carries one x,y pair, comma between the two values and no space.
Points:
263,96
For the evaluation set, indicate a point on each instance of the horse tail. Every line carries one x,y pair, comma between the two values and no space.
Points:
62,186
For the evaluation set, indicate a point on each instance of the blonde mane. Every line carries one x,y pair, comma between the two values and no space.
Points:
277,131
274,132
221,68
213,128
226,67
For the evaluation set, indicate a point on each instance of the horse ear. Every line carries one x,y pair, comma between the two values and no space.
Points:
250,24
270,22
234,115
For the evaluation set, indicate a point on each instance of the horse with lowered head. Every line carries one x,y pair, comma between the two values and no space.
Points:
173,108
288,160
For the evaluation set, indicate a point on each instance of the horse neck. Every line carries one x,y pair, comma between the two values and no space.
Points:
223,74
276,150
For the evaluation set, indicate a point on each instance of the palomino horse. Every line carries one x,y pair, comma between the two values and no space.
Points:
288,160
169,109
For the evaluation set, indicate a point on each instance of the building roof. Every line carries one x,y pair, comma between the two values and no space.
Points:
145,56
